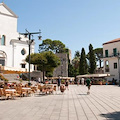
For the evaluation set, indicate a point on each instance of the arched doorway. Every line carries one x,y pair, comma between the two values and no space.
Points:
3,58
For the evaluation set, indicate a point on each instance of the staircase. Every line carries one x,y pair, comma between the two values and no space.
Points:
34,75
15,77
12,77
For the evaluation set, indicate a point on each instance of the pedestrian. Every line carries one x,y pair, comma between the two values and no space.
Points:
70,80
66,84
82,81
39,80
88,84
59,82
78,82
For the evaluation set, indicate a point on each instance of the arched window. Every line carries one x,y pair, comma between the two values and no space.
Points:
3,40
3,58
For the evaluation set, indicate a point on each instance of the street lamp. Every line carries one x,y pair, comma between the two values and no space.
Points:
29,34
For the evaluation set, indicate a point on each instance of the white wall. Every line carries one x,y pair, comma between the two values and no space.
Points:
8,27
114,59
110,47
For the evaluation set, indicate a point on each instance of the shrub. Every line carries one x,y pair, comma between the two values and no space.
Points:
62,81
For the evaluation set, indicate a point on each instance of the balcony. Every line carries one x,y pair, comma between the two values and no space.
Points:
107,70
112,55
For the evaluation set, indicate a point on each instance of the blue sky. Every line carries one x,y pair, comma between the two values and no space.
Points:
77,23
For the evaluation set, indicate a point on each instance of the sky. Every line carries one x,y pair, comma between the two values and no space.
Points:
76,23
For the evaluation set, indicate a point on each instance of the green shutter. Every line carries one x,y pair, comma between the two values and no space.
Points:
115,51
106,53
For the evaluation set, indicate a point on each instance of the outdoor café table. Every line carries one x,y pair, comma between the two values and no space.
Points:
26,89
11,91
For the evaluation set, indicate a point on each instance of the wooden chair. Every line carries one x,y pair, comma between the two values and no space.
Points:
18,92
34,89
6,94
54,88
1,92
50,89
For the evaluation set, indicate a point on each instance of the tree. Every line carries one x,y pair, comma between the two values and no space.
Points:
92,60
77,54
55,46
99,54
83,63
76,62
70,70
46,61
45,46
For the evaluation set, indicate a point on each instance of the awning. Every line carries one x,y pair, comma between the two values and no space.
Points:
61,78
93,75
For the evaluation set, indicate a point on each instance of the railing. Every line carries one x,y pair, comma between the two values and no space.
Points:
107,70
112,55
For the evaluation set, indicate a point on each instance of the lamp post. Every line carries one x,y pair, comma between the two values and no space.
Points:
29,34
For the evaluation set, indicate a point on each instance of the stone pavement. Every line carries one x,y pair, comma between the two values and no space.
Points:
103,103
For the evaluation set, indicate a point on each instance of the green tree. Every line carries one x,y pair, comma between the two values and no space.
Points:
83,63
70,70
46,61
92,60
99,54
76,62
45,46
77,54
55,46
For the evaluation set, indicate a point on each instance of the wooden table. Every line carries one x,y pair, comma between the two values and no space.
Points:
11,92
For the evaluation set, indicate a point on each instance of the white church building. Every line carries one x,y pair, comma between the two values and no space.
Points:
12,50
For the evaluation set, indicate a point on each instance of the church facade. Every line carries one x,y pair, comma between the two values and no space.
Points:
12,50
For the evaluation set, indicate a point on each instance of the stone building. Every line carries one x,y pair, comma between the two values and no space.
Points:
62,70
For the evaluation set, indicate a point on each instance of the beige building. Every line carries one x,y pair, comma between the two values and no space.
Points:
62,69
111,57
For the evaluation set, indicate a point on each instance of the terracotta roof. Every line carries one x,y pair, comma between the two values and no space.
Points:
112,41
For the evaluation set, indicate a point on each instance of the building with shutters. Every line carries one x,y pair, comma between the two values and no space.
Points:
111,57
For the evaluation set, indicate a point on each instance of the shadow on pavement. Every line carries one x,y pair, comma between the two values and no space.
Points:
2,99
112,116
40,95
83,94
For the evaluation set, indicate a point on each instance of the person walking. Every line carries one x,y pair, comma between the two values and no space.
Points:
78,81
82,81
66,84
88,84
70,80
59,82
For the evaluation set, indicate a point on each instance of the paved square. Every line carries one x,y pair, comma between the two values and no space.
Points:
102,103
